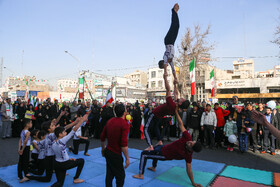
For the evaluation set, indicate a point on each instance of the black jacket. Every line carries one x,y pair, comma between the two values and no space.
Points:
193,119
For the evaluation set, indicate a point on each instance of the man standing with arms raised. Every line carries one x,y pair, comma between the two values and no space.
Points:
116,132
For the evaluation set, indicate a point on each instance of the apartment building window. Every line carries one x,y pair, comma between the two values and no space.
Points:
153,84
236,67
160,84
153,75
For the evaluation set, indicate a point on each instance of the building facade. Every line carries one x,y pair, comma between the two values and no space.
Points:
257,89
156,88
67,85
138,78
243,69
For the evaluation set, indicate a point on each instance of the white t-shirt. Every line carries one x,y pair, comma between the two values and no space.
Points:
34,151
50,138
59,148
42,149
79,132
23,136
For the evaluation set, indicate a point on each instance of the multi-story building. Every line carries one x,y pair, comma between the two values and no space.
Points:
243,69
262,87
138,78
262,74
276,71
156,87
67,85
21,83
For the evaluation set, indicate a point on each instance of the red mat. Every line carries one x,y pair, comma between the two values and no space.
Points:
276,177
228,182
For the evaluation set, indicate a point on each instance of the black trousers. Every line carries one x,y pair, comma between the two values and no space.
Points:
16,128
48,166
96,126
41,166
114,168
172,33
156,155
76,144
219,135
153,123
209,135
23,162
34,162
254,139
62,167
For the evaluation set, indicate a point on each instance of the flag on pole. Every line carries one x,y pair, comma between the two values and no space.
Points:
192,76
36,104
142,128
81,88
27,96
212,83
109,98
32,101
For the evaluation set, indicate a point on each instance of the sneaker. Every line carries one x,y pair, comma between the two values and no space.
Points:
231,149
228,148
262,152
273,153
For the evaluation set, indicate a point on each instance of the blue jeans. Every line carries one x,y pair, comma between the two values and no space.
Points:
243,142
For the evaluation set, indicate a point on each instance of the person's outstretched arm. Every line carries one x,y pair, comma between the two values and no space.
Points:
176,92
166,83
261,119
190,174
180,122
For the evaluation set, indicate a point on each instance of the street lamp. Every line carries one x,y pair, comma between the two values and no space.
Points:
79,63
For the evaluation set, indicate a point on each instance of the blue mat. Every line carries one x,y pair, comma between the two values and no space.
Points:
205,166
246,174
99,181
168,173
161,168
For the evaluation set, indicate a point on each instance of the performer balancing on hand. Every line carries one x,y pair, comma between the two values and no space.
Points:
165,109
178,150
169,41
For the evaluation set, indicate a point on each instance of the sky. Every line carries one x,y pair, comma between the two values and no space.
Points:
116,37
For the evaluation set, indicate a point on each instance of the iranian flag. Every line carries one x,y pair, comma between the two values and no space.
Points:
36,104
109,98
192,76
81,88
142,128
212,83
32,101
27,96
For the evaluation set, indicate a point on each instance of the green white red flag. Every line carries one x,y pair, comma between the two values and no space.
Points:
81,88
212,80
109,98
192,76
27,96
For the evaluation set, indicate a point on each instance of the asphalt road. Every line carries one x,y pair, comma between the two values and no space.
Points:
9,155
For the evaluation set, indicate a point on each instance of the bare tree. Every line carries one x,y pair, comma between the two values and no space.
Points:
277,35
193,45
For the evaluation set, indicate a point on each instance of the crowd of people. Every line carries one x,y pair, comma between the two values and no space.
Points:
209,124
